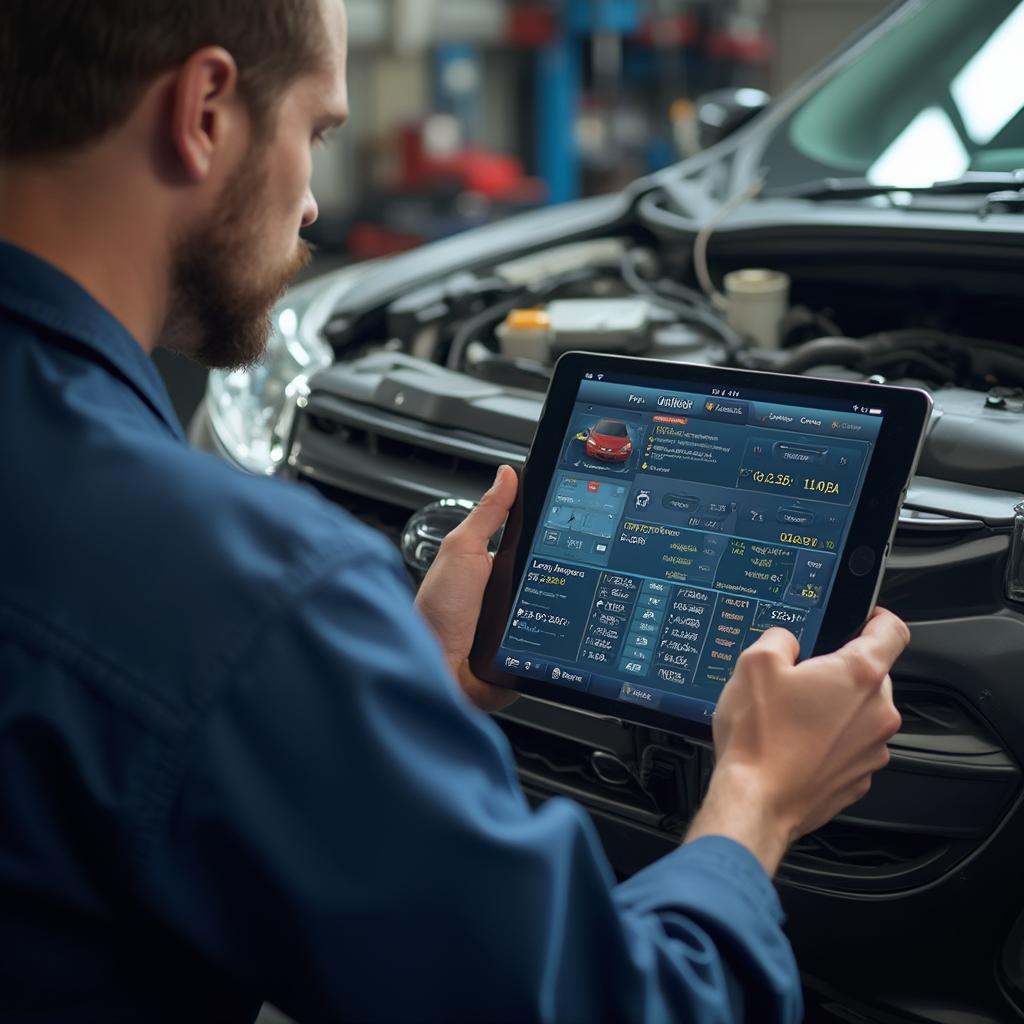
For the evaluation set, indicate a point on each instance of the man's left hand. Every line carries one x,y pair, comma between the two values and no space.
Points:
453,590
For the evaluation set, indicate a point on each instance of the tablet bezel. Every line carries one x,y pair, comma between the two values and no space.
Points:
894,458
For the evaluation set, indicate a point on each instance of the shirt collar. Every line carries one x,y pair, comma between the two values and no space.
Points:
39,292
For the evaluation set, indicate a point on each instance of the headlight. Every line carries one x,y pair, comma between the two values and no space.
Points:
251,411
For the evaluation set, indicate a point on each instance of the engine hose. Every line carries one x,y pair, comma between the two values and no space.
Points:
822,351
986,358
926,348
875,361
697,311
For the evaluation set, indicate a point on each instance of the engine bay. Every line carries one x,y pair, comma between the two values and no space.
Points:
475,351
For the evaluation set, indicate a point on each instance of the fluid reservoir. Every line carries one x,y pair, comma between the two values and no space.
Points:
758,301
526,334
589,325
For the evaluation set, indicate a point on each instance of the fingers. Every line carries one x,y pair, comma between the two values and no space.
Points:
892,719
840,802
488,517
849,796
886,626
875,651
778,643
887,688
868,658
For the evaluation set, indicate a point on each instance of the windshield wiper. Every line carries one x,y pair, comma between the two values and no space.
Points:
972,183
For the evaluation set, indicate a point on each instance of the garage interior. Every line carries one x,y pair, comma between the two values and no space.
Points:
823,194
464,111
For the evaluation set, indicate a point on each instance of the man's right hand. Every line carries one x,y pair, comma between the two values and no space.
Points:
796,744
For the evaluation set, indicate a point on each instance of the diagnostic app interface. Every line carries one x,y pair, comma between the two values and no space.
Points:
678,527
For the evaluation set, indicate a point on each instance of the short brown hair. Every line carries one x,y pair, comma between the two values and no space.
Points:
72,70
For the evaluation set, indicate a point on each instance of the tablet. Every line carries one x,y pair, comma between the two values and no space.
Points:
669,514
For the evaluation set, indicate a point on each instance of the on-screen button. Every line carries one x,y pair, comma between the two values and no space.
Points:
570,677
640,695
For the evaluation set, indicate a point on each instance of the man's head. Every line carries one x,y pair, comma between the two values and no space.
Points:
214,106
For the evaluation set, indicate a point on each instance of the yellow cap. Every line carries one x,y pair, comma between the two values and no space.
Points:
528,320
682,110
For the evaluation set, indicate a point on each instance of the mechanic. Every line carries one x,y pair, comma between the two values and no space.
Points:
237,762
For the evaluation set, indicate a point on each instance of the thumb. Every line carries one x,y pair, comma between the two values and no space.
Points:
780,642
487,518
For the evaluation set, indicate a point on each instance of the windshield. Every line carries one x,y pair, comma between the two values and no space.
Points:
940,95
611,428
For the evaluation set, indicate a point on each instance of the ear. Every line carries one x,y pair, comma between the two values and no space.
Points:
205,109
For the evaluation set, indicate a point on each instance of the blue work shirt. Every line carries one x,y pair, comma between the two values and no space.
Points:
234,765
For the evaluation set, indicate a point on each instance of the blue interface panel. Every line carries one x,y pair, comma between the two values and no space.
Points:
677,528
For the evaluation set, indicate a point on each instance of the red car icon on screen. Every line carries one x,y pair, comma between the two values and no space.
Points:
608,440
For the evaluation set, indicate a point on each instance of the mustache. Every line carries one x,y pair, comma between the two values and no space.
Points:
302,257
299,260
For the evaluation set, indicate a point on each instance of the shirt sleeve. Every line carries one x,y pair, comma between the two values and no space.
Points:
349,838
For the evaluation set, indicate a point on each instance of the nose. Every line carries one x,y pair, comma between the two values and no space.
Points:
310,211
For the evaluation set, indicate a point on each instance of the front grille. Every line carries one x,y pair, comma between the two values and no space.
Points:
348,449
656,788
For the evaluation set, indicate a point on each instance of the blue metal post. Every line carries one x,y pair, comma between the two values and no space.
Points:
559,84
588,16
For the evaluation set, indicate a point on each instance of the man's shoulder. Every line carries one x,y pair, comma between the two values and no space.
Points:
265,536
165,561
228,511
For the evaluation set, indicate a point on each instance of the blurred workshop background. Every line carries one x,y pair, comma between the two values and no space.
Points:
466,111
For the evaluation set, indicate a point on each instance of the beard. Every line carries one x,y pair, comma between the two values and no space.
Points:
219,313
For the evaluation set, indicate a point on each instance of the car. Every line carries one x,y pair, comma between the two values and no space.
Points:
881,201
608,441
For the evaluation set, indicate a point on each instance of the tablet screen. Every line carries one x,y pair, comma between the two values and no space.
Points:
680,523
